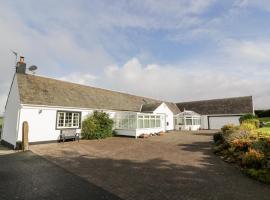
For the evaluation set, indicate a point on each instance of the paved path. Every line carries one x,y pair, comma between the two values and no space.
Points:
175,166
27,176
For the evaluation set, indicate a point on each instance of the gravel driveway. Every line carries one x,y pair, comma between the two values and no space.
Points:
178,165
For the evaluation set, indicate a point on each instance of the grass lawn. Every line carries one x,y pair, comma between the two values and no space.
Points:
265,131
265,119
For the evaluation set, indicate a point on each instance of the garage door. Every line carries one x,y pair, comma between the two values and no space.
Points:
218,122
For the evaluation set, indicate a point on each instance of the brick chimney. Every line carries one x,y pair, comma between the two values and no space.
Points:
21,66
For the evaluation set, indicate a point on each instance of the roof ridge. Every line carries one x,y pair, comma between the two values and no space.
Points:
88,86
217,99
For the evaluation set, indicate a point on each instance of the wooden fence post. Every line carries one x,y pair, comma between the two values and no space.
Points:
25,145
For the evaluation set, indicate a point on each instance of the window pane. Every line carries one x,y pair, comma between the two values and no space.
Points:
125,123
188,121
60,119
181,121
75,122
146,122
68,120
140,123
152,122
158,122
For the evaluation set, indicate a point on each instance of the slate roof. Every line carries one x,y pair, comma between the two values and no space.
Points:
150,107
236,105
173,107
37,90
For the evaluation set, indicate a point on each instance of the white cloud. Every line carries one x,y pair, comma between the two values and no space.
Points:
175,83
256,51
83,41
261,4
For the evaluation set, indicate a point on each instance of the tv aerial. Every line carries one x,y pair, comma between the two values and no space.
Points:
33,69
15,54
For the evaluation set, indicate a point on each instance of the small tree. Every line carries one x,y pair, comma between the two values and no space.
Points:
97,126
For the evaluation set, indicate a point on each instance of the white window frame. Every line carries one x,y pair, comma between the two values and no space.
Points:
77,126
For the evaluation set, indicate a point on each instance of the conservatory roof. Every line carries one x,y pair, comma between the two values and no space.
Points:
189,113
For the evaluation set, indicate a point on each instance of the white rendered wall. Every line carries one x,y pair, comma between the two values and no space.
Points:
138,132
11,115
188,127
148,131
204,122
163,109
125,132
42,122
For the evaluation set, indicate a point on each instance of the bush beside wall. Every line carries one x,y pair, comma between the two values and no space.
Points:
97,126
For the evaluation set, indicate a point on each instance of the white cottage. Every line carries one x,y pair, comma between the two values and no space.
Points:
50,106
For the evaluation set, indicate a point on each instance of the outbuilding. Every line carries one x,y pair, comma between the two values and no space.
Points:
216,113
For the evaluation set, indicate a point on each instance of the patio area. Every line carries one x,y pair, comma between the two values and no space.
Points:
178,165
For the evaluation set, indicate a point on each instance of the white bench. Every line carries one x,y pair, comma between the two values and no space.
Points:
69,134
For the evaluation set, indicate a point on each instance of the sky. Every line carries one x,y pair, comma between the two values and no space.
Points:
174,50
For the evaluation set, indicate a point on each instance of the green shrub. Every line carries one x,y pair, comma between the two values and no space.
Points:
97,126
229,137
254,122
262,175
89,128
229,128
241,145
262,145
253,159
221,148
246,117
218,138
246,126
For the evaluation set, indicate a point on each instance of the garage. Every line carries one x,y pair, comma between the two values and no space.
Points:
215,113
216,122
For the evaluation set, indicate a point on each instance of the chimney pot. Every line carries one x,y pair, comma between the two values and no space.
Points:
21,59
21,66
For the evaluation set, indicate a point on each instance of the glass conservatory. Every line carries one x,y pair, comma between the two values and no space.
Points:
135,124
187,120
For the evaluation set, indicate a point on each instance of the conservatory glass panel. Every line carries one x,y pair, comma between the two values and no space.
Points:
197,121
158,121
132,122
188,121
146,122
180,121
152,122
140,121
